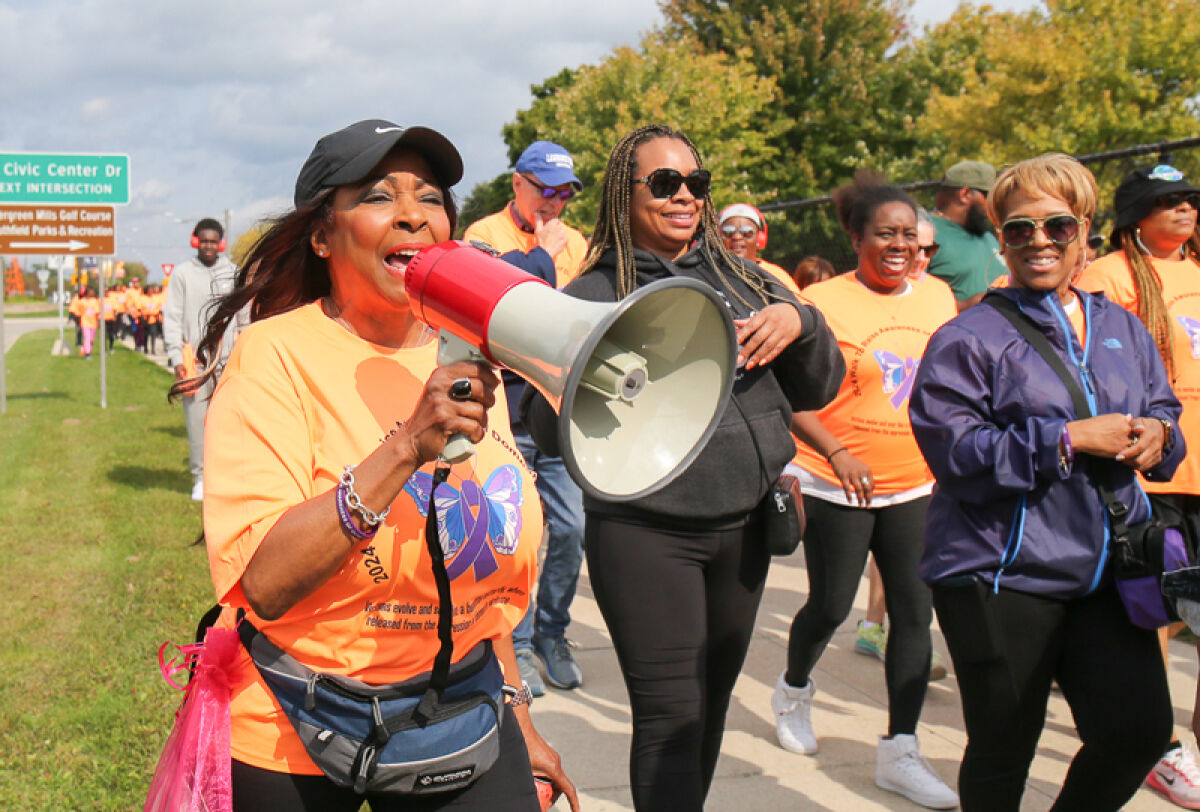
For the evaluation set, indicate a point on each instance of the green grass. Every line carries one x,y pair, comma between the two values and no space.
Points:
32,314
97,571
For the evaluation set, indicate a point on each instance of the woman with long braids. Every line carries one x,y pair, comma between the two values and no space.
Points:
678,575
1155,274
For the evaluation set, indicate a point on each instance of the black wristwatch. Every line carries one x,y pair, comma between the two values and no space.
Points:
517,696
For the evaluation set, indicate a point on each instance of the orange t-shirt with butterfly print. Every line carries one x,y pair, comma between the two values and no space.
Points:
1180,281
299,399
882,339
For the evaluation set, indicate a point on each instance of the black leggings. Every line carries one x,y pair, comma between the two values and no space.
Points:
836,542
1111,674
506,787
680,606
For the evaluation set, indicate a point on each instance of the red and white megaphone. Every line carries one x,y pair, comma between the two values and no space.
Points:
639,385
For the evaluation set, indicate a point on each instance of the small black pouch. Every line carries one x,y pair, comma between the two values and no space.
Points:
783,516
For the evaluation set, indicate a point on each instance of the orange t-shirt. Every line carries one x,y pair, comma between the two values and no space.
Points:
89,312
783,277
1180,283
152,305
502,233
300,398
114,303
882,339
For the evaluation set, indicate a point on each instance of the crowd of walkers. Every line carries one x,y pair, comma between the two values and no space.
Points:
128,311
931,439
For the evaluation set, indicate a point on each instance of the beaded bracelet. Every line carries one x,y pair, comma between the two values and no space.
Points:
1067,457
369,517
347,520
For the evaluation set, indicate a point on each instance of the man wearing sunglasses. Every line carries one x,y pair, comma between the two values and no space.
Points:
968,256
529,234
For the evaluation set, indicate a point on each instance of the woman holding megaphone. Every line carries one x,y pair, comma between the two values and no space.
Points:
321,442
678,574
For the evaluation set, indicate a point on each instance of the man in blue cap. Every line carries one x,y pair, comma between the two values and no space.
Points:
527,231
529,234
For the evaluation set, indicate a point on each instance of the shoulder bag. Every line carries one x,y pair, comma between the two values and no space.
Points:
1143,552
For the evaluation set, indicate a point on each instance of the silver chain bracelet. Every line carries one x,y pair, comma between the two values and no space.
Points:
369,517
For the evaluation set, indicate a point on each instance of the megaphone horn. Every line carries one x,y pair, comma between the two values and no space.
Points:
639,384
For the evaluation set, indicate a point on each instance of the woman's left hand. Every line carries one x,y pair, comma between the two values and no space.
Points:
767,333
547,764
1145,450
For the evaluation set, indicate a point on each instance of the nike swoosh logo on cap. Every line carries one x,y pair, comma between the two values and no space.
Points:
382,130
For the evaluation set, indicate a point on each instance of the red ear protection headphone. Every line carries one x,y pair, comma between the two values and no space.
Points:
221,244
760,239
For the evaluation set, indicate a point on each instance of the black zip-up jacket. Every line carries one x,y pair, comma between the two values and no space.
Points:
727,480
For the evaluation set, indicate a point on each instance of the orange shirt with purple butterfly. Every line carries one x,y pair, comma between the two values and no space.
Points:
300,398
882,339
1180,281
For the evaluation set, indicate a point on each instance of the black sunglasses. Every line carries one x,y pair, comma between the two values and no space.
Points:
929,250
1173,200
1061,229
549,192
666,182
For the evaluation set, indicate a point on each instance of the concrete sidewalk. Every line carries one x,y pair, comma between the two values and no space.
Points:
590,725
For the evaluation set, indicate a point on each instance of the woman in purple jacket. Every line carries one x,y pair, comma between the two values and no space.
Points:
1017,539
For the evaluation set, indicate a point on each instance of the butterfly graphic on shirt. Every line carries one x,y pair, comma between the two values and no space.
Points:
474,524
1192,326
898,376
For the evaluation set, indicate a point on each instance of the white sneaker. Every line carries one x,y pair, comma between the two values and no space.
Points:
793,716
198,490
900,767
1177,776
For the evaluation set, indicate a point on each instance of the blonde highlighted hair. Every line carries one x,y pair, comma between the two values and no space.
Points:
1050,175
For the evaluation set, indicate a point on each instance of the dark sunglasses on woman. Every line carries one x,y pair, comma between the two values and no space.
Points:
929,250
1173,200
549,191
1061,229
666,182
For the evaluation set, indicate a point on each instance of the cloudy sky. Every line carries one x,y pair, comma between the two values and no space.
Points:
218,103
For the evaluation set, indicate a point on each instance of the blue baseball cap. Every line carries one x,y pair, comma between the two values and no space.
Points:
549,163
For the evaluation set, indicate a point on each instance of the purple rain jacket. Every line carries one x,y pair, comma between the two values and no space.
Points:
987,412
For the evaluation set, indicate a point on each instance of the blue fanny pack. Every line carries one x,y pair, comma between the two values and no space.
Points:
435,732
389,738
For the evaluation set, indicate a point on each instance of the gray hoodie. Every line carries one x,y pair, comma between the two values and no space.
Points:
193,291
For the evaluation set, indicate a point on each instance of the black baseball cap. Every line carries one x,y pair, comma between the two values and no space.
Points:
350,153
1143,186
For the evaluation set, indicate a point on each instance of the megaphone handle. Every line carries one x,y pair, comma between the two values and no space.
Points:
451,350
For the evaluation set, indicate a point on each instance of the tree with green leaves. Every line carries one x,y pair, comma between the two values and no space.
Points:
718,100
842,103
1081,77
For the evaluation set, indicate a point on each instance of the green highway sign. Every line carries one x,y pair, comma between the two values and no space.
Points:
80,179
